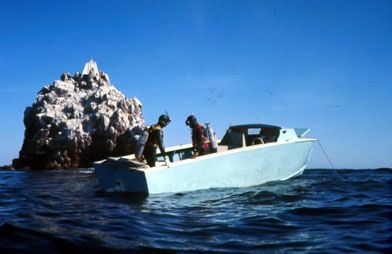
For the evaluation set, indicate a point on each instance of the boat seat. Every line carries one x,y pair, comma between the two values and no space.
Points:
269,135
269,139
235,140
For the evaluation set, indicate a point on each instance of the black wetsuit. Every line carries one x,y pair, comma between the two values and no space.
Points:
155,138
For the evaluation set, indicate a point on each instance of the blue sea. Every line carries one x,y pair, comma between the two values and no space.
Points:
322,211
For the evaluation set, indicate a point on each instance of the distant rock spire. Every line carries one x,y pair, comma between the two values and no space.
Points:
78,120
91,68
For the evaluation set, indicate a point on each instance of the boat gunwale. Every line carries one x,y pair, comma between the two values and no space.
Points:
222,153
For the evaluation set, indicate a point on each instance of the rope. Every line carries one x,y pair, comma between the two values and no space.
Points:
326,155
329,160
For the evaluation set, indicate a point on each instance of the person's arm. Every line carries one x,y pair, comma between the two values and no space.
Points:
199,141
160,144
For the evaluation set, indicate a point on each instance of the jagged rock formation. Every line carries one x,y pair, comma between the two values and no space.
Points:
78,120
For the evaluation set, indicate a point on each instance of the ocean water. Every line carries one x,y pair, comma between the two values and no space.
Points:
322,211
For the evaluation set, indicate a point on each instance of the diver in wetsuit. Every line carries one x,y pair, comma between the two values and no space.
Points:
155,138
199,141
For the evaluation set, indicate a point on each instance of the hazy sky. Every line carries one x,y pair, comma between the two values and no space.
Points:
326,65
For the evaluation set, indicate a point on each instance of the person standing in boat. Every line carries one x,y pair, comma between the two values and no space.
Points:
199,141
155,138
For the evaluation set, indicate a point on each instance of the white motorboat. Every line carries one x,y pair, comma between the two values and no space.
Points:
248,155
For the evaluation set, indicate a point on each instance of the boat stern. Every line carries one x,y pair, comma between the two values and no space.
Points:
114,176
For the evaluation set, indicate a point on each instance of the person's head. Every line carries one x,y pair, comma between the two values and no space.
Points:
164,120
191,121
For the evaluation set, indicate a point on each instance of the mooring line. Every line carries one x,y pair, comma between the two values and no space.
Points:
326,155
329,160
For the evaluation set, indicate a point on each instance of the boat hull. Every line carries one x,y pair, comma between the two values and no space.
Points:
242,167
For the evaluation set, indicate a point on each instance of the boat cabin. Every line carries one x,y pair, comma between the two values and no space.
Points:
239,136
250,134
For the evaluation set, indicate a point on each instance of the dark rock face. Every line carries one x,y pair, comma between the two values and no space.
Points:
78,120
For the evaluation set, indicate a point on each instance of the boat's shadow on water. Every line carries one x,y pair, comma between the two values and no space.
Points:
123,197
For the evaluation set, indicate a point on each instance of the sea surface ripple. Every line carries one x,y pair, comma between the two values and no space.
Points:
322,211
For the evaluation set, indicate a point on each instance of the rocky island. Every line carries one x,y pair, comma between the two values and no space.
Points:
78,120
